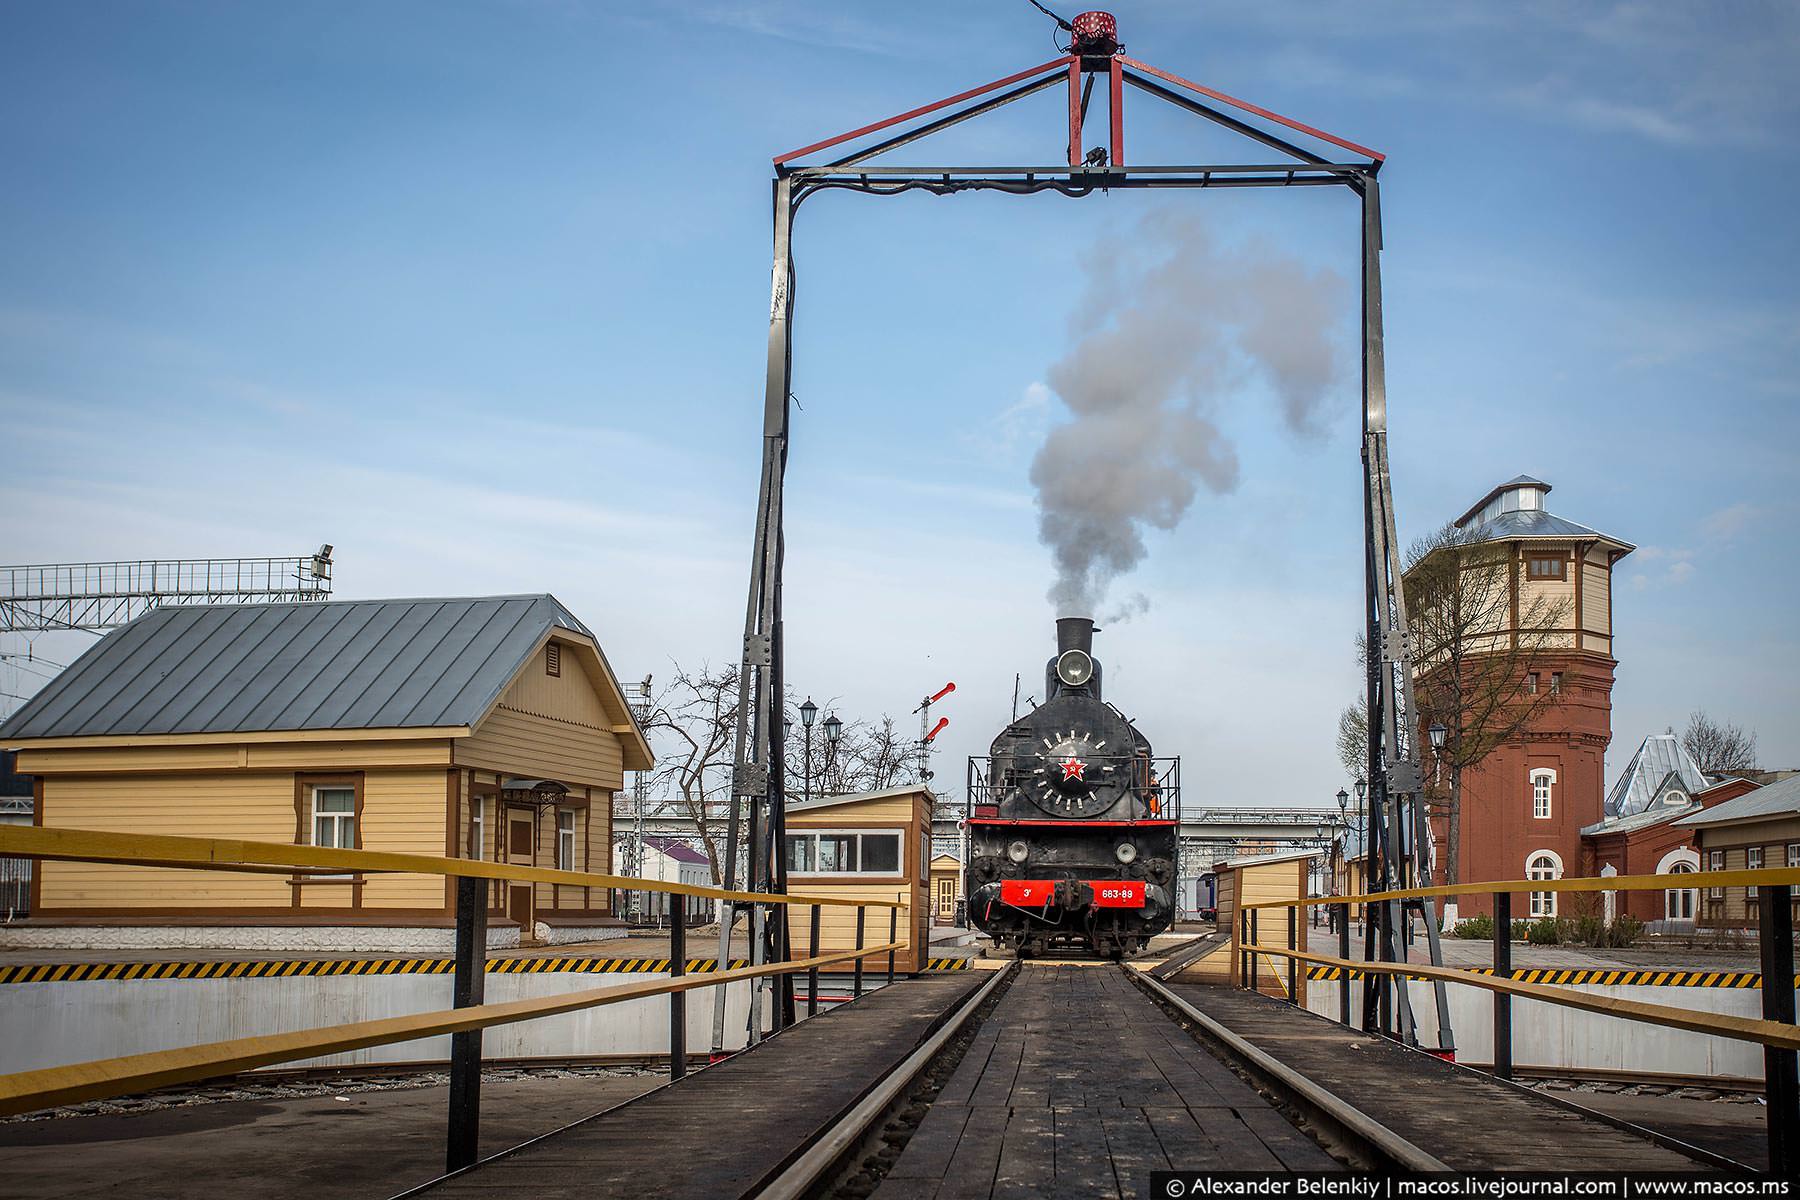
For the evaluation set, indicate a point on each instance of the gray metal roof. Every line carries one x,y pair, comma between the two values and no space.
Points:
1641,820
1535,523
1773,800
347,664
1647,776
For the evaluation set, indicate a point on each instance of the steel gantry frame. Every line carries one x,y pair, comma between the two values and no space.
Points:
1400,835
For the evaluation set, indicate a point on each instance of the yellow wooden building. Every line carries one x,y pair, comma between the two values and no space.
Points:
868,846
946,888
486,728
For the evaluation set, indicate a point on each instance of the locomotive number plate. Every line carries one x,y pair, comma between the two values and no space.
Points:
1027,893
1119,895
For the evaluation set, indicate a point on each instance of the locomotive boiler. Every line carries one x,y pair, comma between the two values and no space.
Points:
1072,820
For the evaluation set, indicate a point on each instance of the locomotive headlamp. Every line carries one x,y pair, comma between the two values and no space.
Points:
1125,852
1074,667
1018,852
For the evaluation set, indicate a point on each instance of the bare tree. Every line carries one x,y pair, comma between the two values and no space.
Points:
1718,748
1353,738
698,713
1475,656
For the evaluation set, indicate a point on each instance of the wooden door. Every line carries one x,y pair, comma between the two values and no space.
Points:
521,850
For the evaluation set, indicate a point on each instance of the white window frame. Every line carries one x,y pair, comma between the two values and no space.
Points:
1793,854
1683,903
1543,904
565,839
340,820
478,827
1715,861
897,833
1750,891
1543,797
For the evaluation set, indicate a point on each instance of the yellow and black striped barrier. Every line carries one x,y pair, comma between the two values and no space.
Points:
300,968
1605,978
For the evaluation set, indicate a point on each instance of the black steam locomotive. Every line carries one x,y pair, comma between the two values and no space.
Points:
1071,820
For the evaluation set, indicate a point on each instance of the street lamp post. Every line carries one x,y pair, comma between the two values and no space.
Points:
808,711
834,729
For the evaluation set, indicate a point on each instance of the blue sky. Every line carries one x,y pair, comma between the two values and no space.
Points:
477,293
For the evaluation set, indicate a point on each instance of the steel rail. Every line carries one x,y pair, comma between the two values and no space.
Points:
1744,1029
230,854
1319,1103
800,1177
48,1087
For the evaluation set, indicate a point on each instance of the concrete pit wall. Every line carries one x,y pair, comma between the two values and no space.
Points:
53,1024
1551,1036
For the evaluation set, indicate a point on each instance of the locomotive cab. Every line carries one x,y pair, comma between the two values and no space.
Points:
1072,819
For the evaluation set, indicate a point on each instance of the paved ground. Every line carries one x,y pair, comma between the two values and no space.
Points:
372,1144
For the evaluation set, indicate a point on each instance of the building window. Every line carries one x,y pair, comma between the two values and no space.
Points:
477,826
565,840
1753,861
844,852
1531,684
1548,567
334,817
1556,683
1542,781
1675,798
1715,861
1678,903
1543,865
1793,855
553,659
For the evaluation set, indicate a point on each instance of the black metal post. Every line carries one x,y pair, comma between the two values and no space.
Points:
1344,953
856,978
678,1000
468,986
1293,963
812,973
1780,1075
1255,940
1503,1058
893,936
1243,941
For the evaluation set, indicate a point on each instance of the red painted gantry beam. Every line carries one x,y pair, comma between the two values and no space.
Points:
1074,65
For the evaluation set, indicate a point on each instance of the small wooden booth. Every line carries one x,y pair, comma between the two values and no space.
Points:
1260,879
946,888
868,846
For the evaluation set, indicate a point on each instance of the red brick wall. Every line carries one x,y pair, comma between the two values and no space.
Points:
1569,737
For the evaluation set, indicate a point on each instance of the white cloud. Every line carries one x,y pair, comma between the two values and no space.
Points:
1730,521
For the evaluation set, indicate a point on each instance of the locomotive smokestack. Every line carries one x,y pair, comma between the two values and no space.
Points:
1075,633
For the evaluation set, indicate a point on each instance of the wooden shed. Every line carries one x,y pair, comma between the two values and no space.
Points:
946,888
1260,879
872,845
484,728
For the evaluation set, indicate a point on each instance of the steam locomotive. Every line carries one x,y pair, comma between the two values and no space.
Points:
1072,821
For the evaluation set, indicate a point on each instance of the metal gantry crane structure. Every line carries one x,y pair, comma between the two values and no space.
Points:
98,596
1093,54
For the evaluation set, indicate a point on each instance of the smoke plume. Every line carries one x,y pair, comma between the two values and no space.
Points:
1172,323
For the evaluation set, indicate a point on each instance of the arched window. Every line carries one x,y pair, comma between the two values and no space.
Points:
1675,797
1678,903
1543,864
1543,780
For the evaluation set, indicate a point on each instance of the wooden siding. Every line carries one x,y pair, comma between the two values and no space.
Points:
910,813
549,726
227,755
402,811
1596,587
1261,883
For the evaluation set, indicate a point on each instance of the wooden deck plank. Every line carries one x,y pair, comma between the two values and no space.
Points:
1450,1111
668,1143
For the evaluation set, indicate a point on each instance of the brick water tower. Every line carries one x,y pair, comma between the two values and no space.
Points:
1514,637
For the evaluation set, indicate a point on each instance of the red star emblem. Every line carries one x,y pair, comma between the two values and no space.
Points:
1072,768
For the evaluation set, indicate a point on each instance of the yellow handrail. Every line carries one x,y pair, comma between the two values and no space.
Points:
230,854
25,1091
1585,883
1747,1029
